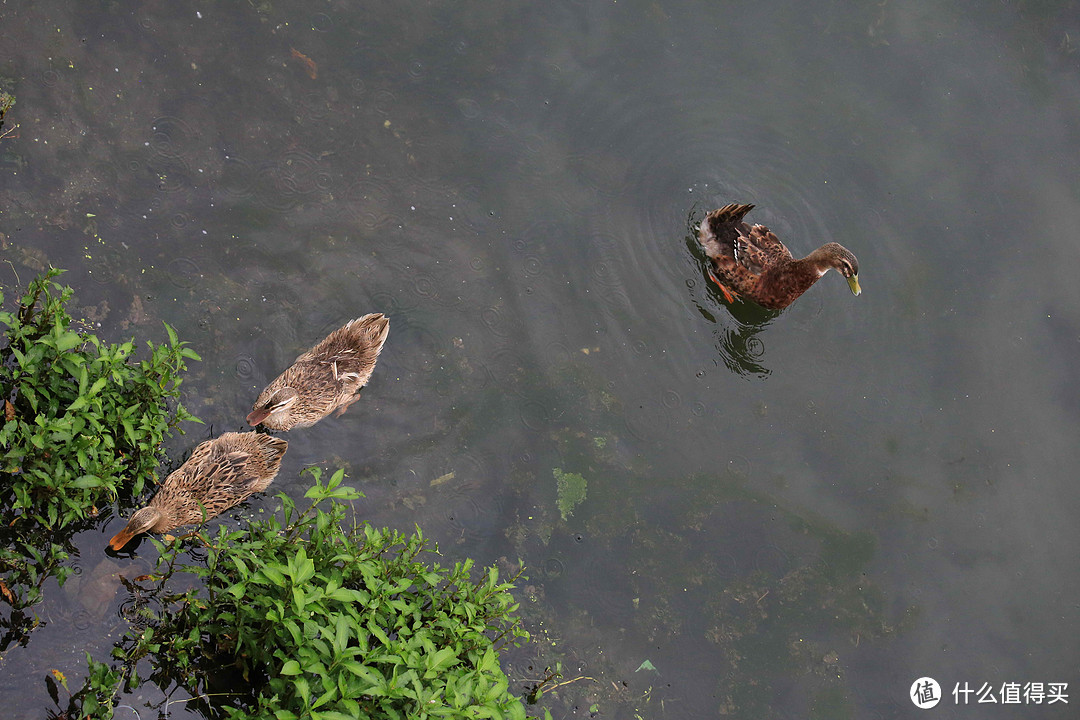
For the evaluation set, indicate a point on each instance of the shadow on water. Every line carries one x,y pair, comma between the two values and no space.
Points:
737,342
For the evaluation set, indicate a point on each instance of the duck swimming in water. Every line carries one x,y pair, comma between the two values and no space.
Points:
327,377
220,473
751,262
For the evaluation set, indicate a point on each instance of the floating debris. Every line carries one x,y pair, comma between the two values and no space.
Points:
309,64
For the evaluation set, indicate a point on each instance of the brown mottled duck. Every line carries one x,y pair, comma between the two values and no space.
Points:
752,262
220,473
326,378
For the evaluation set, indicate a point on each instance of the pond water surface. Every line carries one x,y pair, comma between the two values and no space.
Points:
785,516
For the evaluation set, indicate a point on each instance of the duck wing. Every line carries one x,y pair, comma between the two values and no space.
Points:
757,248
720,230
350,352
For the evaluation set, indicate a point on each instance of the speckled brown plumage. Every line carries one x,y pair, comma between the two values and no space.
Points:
327,377
753,263
219,474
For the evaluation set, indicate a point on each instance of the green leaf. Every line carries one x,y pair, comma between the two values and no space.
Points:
294,630
291,667
646,665
273,575
96,387
346,493
488,662
364,672
172,334
88,481
341,635
67,341
305,570
301,685
345,595
129,430
441,659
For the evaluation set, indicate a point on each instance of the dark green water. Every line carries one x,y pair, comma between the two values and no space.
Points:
789,517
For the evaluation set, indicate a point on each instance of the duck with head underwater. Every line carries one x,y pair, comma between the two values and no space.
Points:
219,474
751,262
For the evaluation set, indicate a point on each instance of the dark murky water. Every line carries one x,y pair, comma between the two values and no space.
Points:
786,517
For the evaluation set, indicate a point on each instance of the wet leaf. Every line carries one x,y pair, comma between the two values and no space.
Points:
60,677
443,478
309,64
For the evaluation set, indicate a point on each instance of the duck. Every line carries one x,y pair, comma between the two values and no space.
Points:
326,378
751,262
219,474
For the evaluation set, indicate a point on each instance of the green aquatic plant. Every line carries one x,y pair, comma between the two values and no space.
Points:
82,423
7,101
325,620
82,418
95,699
570,491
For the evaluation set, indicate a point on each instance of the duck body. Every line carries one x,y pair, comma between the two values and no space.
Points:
752,262
219,474
326,378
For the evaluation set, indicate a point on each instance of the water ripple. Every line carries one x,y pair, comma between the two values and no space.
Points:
171,136
183,272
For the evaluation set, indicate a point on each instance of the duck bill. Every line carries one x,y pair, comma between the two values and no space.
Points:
853,283
257,416
122,538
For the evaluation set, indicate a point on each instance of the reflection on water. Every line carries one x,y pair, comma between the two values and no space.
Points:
738,334
510,184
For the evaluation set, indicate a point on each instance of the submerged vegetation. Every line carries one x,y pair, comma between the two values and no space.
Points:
7,101
570,491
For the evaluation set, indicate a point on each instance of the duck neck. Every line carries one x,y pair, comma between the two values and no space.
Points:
818,262
166,514
798,275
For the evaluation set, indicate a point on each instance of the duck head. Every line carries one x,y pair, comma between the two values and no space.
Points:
835,255
147,519
277,404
